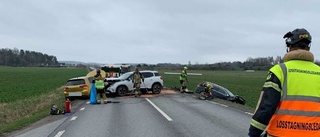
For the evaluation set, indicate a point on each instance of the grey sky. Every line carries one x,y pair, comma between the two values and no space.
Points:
156,31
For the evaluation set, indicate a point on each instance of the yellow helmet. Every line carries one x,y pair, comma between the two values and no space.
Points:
185,67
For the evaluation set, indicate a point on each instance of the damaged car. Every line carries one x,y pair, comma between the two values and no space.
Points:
123,85
220,92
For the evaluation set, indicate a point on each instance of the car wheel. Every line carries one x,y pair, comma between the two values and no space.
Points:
122,90
156,88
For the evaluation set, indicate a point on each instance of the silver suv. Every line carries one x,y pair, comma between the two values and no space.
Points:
123,84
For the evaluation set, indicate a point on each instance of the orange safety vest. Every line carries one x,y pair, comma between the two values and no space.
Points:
298,113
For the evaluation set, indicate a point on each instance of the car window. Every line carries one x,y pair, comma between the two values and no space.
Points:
147,74
216,88
222,91
125,75
90,79
229,92
156,74
219,89
75,82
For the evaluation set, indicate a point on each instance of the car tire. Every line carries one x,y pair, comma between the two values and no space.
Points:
156,88
122,90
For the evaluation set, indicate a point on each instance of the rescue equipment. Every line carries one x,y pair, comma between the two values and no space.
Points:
68,106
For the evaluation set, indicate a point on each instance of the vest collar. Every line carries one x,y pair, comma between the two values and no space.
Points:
298,55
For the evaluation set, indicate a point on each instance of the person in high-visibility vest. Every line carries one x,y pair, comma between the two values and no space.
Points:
99,82
289,104
183,79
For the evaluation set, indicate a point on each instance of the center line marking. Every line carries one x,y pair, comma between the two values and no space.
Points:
157,108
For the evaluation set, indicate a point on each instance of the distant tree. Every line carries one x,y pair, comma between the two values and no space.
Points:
16,57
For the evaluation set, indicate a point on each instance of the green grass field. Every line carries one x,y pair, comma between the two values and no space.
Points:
26,93
245,84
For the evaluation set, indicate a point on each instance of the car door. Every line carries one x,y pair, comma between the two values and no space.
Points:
218,92
129,83
148,80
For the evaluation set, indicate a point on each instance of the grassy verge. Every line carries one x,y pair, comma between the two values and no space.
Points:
27,94
20,113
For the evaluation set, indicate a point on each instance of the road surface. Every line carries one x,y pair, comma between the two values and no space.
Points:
169,114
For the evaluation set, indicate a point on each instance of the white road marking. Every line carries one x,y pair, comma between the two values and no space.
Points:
82,108
218,104
249,113
223,105
59,134
73,118
88,102
157,108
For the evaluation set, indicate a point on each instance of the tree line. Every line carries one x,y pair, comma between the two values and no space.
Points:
260,63
19,58
25,58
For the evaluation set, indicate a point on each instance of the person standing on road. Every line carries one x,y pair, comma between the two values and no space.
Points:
136,80
289,101
99,82
183,79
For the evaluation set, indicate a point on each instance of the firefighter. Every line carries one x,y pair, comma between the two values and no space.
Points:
183,79
206,95
136,80
99,82
289,101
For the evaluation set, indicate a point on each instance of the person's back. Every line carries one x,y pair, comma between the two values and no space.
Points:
289,102
301,96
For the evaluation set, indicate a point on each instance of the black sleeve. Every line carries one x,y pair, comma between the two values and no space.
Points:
268,105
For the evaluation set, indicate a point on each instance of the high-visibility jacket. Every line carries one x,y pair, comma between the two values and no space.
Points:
99,84
183,75
298,113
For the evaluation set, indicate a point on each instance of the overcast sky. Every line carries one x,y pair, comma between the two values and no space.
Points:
156,31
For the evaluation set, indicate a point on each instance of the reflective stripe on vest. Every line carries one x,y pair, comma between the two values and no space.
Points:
298,113
99,84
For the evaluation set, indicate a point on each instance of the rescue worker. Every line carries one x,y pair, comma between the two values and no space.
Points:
183,79
99,82
136,80
289,101
206,95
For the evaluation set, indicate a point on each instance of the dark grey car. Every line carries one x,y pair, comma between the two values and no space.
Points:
220,92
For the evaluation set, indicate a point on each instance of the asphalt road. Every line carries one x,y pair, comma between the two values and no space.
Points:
167,115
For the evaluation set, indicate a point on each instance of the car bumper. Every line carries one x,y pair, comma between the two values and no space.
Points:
76,94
